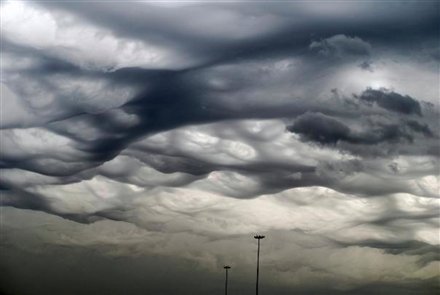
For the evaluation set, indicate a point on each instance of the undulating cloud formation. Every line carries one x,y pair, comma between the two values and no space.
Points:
143,144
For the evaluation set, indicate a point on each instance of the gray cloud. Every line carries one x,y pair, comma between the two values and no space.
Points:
340,46
392,101
327,130
308,268
321,128
367,65
173,132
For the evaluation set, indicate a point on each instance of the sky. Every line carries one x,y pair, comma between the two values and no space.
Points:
145,143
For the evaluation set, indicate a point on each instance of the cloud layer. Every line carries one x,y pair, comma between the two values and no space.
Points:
173,132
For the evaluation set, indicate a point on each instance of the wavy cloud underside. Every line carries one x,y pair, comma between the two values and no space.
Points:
154,138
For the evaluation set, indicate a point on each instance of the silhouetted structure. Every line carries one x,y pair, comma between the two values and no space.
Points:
226,267
258,237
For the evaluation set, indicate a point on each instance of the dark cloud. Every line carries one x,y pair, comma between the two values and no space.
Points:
158,130
427,253
392,101
24,200
419,127
367,65
341,46
326,130
320,128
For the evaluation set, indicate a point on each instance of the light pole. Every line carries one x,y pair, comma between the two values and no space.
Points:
226,267
258,237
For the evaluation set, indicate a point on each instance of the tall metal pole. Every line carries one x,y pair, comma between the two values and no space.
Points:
226,267
258,237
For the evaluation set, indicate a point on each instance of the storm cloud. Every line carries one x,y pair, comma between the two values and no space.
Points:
392,101
161,136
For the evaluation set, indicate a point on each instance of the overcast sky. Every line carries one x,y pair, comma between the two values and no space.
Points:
143,144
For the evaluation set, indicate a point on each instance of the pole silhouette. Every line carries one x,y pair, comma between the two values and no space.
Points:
226,267
258,237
